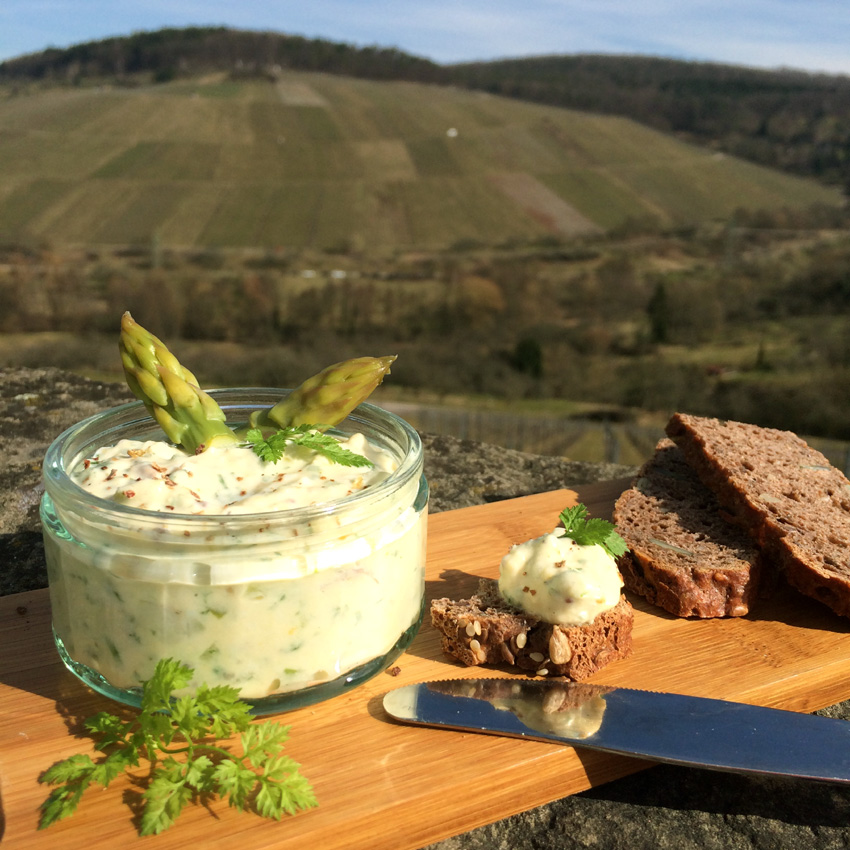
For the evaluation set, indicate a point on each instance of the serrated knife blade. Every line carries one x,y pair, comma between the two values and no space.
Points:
661,727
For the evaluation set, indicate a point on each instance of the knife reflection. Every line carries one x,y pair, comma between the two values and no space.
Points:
566,709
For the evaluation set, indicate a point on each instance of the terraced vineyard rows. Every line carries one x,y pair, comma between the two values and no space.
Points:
576,439
328,162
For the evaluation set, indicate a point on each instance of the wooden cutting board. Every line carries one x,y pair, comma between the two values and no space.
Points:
386,785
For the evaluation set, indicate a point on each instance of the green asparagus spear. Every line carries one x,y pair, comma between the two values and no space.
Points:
189,416
328,397
141,354
193,419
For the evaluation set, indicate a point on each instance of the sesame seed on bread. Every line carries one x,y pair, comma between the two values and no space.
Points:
485,629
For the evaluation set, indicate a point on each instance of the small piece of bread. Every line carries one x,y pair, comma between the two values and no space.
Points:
792,501
683,555
484,629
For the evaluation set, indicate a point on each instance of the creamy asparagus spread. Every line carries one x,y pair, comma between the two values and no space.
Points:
556,579
262,605
232,479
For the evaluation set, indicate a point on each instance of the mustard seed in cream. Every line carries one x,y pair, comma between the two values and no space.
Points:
559,581
217,565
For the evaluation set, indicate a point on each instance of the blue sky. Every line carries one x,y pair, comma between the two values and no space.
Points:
807,34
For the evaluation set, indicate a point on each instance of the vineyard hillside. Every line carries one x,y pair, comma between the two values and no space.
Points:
312,160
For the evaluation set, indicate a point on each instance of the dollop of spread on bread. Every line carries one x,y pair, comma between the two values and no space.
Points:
560,581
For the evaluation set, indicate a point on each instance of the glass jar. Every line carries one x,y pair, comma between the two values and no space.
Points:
291,607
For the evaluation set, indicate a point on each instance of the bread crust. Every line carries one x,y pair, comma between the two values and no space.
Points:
793,503
484,629
684,556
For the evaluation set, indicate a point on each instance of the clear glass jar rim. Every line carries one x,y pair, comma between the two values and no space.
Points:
65,490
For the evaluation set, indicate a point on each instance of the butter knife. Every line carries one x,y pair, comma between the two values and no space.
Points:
661,727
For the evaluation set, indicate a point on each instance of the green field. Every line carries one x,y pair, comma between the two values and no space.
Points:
318,161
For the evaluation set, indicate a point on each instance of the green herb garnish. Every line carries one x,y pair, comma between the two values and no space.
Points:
271,448
587,532
260,779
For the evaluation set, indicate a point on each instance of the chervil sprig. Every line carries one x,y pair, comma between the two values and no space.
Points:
587,532
272,447
178,736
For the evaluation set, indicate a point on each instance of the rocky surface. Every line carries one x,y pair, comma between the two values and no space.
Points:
663,807
36,405
463,472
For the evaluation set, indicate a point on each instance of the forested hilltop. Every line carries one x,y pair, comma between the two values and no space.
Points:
170,53
792,120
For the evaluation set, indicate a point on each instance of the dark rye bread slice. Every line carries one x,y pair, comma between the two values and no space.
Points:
484,629
683,555
792,501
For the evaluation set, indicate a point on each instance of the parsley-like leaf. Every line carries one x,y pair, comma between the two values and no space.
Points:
271,448
166,795
178,736
588,532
